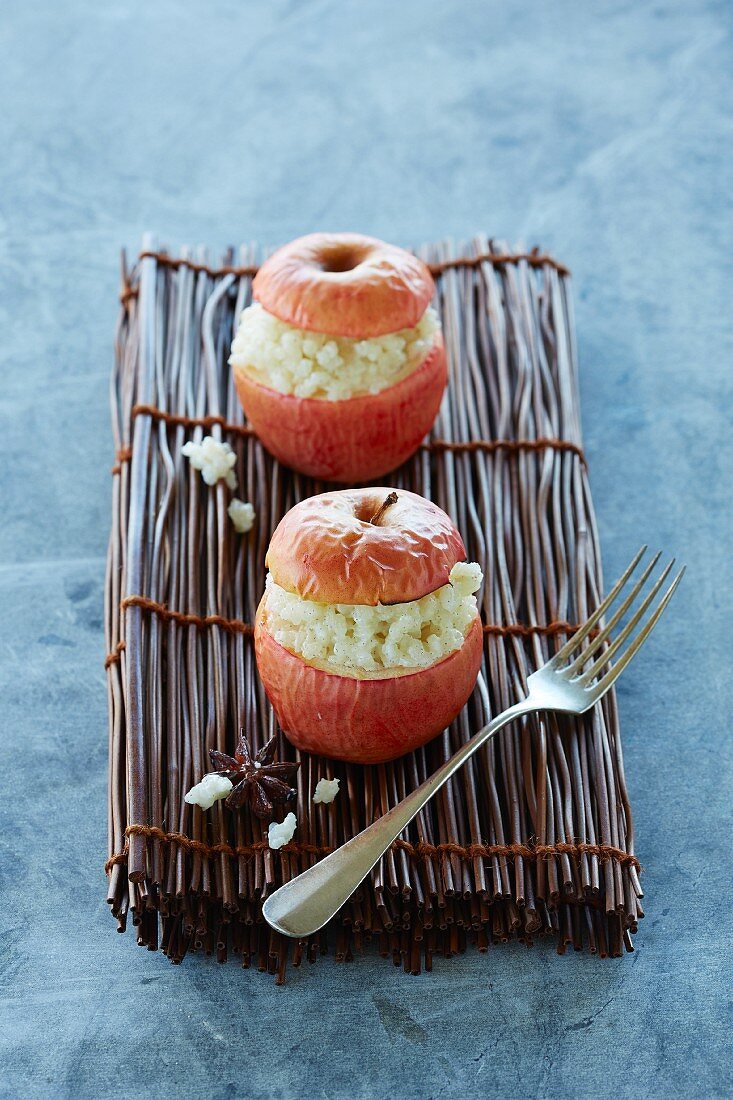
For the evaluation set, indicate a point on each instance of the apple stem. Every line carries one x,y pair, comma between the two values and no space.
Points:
386,503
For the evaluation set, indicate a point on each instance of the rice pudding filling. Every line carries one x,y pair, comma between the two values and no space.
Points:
328,368
370,642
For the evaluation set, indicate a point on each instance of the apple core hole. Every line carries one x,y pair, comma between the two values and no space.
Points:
365,510
338,260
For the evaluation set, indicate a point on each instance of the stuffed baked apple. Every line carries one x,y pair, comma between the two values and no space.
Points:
339,363
368,637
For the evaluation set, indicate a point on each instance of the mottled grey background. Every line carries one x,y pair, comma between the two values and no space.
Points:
600,130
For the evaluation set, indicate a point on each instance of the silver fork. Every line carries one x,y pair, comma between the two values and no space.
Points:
569,682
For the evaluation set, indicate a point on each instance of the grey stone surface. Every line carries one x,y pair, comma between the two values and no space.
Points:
602,131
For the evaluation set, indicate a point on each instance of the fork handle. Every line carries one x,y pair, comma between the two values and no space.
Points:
309,901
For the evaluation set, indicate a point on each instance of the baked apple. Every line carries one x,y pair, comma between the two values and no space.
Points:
368,638
339,363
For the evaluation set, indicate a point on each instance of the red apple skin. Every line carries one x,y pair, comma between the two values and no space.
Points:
357,439
326,549
344,284
365,721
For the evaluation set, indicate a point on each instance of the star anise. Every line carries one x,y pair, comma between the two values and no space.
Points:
262,782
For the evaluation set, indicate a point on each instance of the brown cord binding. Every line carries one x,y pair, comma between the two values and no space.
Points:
519,630
175,420
435,446
113,657
233,626
489,446
175,262
535,258
237,626
123,455
604,852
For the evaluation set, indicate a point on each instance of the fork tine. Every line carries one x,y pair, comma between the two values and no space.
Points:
598,641
572,644
606,656
606,681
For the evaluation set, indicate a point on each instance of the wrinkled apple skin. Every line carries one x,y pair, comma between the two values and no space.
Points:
365,721
326,549
344,284
354,440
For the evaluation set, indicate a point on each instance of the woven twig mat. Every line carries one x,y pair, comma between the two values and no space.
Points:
534,836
